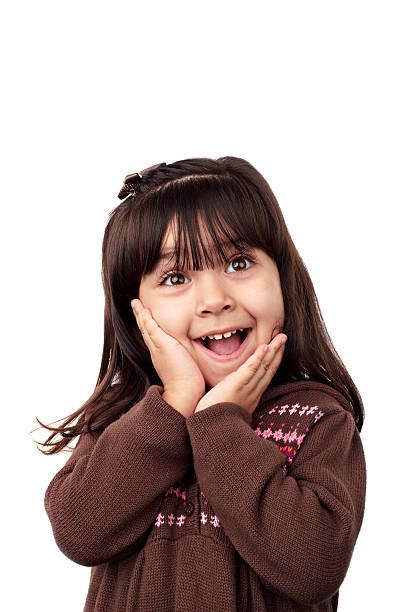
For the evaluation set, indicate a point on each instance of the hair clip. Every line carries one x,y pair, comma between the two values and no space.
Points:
133,181
130,185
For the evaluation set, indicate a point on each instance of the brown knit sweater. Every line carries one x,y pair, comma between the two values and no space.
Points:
222,511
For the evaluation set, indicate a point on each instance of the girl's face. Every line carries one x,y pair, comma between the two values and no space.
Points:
240,294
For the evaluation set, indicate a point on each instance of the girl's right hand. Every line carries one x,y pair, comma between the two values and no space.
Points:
182,379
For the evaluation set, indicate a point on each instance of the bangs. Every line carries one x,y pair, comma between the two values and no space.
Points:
210,218
197,247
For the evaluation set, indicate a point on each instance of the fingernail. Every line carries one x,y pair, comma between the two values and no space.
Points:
283,340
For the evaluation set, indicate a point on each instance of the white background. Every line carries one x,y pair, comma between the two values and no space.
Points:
311,93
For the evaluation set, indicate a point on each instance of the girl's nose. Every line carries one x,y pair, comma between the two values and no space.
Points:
212,295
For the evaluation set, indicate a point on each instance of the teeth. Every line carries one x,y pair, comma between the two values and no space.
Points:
219,336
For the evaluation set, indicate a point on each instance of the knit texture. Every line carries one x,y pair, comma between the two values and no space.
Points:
222,511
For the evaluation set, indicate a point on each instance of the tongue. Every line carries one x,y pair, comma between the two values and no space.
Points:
225,346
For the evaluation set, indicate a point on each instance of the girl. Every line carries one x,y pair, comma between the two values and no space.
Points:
217,468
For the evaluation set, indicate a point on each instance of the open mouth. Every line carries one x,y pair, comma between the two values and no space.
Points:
221,350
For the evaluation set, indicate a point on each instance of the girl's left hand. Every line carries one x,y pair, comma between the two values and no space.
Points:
246,385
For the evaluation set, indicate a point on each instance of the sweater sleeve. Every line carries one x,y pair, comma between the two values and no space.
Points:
295,524
105,498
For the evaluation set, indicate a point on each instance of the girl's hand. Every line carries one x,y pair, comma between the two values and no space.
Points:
246,385
181,377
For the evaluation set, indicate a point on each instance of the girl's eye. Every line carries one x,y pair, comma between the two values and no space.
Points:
171,276
176,274
242,257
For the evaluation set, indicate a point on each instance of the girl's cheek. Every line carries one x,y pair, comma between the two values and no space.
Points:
168,324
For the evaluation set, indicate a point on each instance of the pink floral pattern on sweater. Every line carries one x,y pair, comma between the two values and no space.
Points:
288,436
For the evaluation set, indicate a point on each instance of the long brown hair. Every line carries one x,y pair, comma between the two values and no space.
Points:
237,205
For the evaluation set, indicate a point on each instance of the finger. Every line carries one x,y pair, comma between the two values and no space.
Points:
266,372
262,356
151,327
136,308
276,349
270,364
257,372
137,311
251,366
141,323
